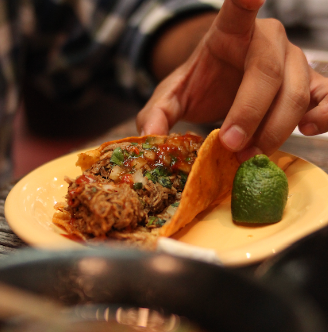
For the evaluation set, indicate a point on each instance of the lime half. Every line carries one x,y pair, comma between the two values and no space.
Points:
260,191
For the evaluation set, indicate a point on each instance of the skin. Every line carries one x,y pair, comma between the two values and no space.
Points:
241,69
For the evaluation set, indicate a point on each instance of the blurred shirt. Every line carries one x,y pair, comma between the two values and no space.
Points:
73,51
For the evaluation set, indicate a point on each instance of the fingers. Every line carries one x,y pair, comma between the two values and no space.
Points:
288,108
315,121
163,109
231,33
227,40
264,70
272,99
153,122
237,17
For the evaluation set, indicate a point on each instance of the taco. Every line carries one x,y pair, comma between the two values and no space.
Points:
139,188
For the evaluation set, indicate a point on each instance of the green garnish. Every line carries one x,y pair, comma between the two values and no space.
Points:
117,157
175,204
165,182
160,171
134,143
160,222
137,186
150,177
150,221
183,179
160,175
154,221
146,146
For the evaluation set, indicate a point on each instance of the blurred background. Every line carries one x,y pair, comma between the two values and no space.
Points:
306,21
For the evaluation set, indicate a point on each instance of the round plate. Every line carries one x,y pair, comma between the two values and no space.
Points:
30,206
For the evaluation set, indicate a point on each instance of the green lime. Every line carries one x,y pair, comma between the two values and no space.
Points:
259,193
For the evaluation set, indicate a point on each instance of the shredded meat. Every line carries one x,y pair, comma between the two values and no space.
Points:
156,197
96,211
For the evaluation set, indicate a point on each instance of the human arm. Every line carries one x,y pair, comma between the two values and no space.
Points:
246,71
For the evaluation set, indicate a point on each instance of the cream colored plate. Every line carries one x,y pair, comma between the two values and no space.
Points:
29,209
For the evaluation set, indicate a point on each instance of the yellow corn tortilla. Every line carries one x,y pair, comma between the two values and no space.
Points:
209,182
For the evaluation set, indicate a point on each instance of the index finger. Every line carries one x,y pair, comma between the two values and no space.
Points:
237,17
231,33
263,77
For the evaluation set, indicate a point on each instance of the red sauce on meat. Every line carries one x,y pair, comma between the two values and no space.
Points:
175,154
85,179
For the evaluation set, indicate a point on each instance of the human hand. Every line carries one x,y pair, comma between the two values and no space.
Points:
315,121
244,70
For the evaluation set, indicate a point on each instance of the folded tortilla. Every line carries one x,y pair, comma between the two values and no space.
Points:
209,182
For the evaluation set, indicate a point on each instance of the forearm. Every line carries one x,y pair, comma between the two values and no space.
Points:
177,41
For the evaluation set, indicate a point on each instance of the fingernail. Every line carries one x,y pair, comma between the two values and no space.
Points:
234,138
309,129
142,133
248,153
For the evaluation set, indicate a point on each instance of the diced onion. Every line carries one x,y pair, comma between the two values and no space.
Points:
138,163
150,155
171,210
138,177
115,173
167,160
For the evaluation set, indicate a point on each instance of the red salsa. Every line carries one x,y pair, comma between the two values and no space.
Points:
164,156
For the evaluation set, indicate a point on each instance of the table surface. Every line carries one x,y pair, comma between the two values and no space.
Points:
312,149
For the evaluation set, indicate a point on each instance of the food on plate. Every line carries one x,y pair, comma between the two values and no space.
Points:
139,188
259,193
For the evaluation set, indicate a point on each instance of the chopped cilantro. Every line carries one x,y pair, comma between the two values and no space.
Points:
151,177
137,185
165,182
150,221
146,146
160,175
183,179
175,204
160,171
94,189
117,157
160,222
134,143
154,221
